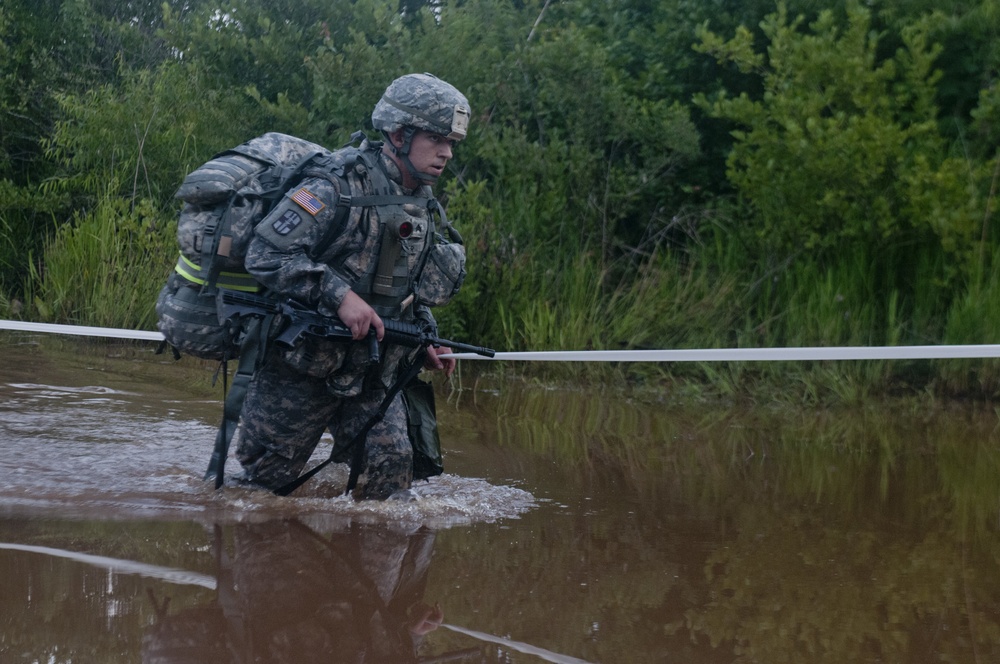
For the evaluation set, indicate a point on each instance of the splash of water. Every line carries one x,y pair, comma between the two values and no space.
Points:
93,451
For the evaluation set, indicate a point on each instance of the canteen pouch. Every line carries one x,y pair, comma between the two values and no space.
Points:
442,276
421,417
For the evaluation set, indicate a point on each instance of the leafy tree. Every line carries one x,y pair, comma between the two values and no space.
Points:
245,44
843,148
50,49
969,60
33,63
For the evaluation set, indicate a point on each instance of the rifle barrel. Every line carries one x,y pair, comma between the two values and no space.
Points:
478,350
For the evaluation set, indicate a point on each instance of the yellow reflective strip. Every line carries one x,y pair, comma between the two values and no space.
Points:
244,289
183,268
239,281
245,285
194,266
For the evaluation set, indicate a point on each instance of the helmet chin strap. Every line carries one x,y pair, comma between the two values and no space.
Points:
403,152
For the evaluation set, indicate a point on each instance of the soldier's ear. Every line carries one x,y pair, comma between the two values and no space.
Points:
396,138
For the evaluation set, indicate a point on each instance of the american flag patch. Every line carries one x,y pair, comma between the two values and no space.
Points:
308,201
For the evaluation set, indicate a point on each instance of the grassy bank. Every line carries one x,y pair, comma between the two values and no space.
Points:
107,268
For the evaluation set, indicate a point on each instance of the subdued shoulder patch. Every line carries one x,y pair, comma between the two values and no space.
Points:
308,201
287,222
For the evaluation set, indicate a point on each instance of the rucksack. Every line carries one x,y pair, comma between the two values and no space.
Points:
223,200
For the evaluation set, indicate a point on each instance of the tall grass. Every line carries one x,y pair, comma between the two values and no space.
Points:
709,297
974,318
866,296
106,268
665,302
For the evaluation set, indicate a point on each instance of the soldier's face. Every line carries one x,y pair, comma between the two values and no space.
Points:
430,152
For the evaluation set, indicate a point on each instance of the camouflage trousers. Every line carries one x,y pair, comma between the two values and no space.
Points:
286,412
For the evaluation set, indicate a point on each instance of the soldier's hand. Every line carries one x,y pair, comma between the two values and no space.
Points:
356,314
433,362
425,619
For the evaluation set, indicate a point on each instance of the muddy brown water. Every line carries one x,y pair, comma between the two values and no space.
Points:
570,526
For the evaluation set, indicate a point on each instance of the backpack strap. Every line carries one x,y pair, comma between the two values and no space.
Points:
252,351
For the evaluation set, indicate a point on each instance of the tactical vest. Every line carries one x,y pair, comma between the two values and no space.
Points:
414,263
406,231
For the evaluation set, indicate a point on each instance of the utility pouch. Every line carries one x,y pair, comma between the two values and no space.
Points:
421,417
442,275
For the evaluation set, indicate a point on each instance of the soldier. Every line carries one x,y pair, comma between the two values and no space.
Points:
371,263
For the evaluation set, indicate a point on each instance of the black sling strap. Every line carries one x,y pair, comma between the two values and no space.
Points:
251,355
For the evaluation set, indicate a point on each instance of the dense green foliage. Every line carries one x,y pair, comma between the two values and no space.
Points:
671,173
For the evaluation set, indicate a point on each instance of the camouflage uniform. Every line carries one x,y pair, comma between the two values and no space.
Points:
322,383
344,596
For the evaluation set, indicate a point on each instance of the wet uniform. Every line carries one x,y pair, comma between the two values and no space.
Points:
321,383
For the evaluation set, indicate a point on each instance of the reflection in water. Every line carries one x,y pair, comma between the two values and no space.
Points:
282,591
577,522
858,535
288,594
852,461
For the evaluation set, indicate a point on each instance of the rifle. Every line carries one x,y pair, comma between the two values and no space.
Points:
299,321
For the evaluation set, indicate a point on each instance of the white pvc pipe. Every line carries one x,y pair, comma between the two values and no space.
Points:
680,355
750,354
80,330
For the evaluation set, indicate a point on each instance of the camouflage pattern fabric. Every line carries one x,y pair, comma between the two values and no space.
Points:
286,412
189,321
237,171
323,384
423,101
442,275
281,255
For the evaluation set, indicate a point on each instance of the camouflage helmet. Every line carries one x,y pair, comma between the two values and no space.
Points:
425,102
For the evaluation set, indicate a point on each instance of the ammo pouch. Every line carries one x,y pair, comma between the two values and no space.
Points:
442,276
421,417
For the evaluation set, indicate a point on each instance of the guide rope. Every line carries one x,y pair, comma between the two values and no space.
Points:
815,353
